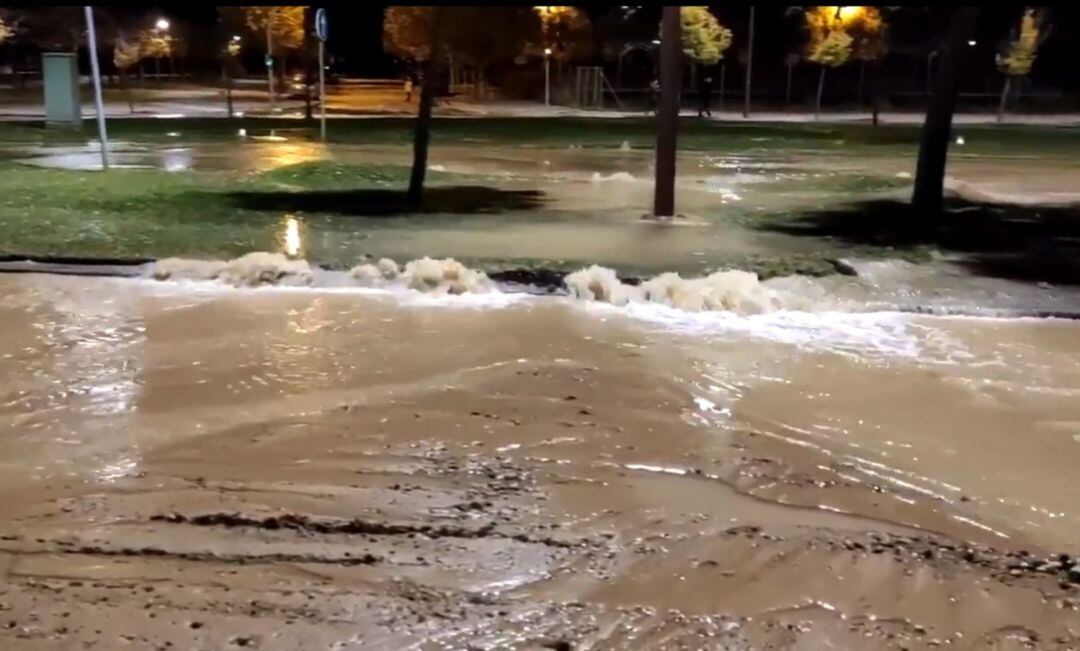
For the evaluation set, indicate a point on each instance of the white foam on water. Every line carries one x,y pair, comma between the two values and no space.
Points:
597,177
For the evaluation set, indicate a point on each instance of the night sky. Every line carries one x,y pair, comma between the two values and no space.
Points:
356,41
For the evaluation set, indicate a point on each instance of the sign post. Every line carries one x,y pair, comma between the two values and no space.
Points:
321,32
92,43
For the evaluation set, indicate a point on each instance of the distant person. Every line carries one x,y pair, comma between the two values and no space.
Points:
654,96
706,97
408,88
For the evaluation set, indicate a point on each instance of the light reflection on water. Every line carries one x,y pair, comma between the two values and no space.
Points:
291,237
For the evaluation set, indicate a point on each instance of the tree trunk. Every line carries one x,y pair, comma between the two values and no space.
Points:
875,92
862,81
749,66
723,71
14,66
787,92
422,136
127,91
305,61
1004,98
668,121
928,198
820,88
228,90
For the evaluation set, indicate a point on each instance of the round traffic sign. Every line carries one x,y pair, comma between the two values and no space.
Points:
321,26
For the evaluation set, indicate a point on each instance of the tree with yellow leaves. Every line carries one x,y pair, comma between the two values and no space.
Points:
155,44
704,39
126,53
1019,54
5,30
830,44
284,30
867,31
407,32
566,31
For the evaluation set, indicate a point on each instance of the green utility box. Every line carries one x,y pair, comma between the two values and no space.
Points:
60,71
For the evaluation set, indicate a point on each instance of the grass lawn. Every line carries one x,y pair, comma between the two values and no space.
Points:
220,214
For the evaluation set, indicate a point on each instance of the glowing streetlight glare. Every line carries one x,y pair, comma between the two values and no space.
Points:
292,236
656,41
844,14
547,51
971,43
236,38
162,24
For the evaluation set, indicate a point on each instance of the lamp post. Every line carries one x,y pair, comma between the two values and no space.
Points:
91,38
161,26
547,76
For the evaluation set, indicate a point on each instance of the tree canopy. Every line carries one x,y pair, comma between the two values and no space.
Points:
5,30
507,32
1019,54
126,53
830,43
567,31
704,39
286,24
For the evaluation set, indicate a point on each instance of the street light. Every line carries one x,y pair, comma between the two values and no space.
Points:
547,76
236,38
971,43
162,24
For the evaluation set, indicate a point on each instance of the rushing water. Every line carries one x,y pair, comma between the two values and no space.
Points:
140,415
399,452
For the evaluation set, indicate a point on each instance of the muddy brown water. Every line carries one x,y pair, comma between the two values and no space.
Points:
190,466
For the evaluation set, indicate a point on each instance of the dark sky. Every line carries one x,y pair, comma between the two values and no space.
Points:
356,37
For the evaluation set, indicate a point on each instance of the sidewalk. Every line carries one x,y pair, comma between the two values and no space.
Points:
372,101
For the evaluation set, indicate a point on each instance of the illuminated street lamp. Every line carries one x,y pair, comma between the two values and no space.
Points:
547,76
162,25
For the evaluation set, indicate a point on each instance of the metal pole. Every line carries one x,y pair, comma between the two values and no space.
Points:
547,79
322,92
92,43
269,58
749,65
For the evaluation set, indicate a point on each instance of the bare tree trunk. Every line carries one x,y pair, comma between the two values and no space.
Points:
928,196
422,137
306,59
875,92
668,122
862,81
15,66
749,65
127,90
723,74
820,88
787,92
228,90
1004,98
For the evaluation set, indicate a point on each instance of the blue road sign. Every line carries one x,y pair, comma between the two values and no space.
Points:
321,26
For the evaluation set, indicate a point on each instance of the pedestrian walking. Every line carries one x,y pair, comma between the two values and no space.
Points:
706,97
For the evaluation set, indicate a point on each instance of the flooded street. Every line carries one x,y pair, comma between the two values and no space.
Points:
192,465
